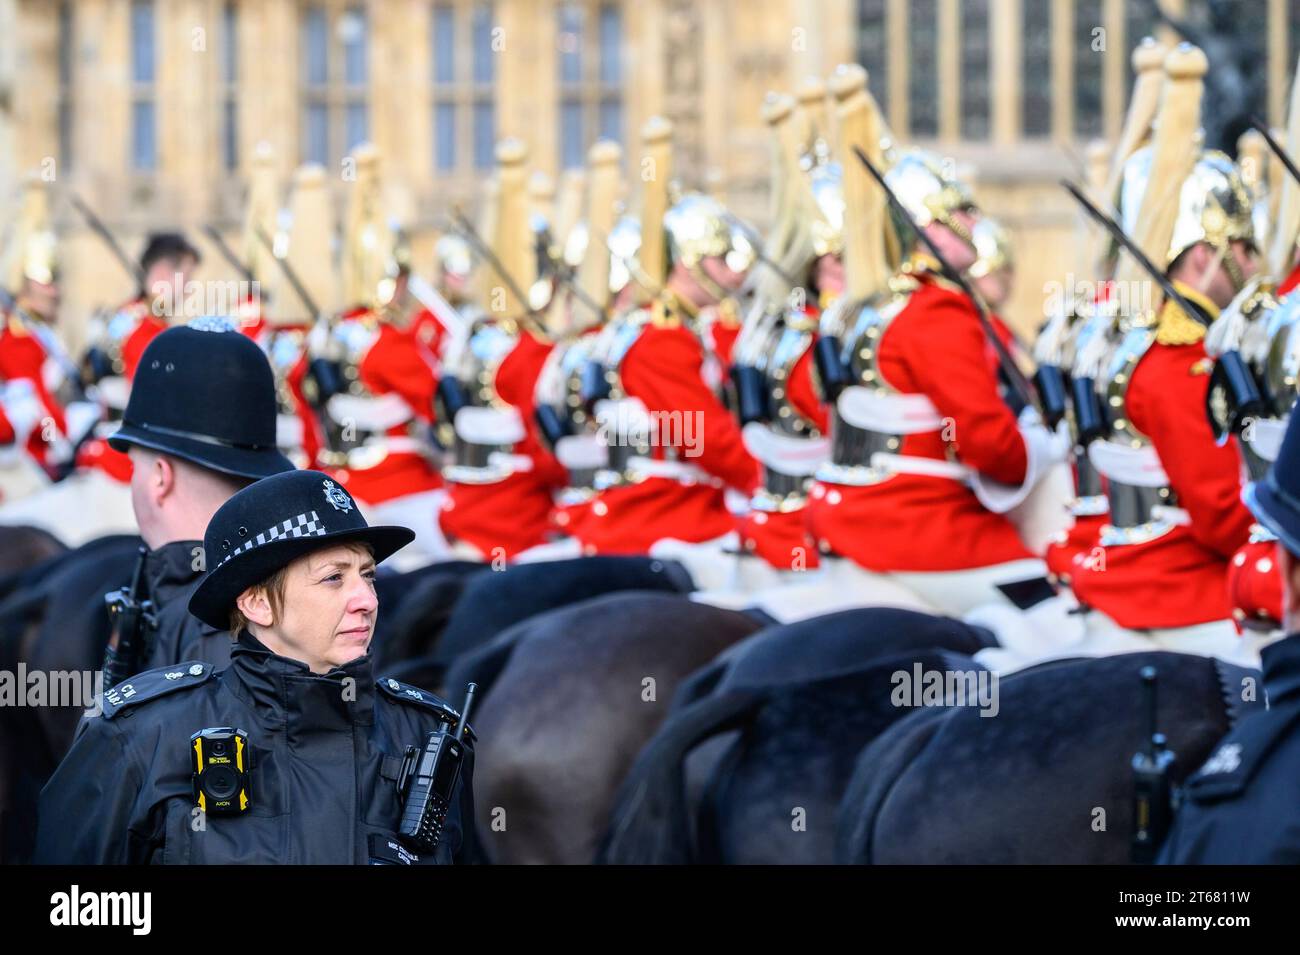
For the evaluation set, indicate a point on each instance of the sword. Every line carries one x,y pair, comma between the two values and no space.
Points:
228,254
1258,125
756,243
1019,383
97,226
468,231
289,274
1118,234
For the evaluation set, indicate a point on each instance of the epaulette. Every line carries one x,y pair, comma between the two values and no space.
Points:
1236,760
406,693
152,684
1176,327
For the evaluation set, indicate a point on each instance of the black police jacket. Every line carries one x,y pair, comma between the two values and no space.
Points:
1240,807
325,754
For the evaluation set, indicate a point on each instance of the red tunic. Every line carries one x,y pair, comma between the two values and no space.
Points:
23,357
509,516
935,347
149,328
782,538
396,364
663,370
1180,578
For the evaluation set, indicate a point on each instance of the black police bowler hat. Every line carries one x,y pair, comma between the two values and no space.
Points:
205,393
272,522
1275,499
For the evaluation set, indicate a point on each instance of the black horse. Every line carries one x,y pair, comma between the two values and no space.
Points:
487,603
1049,780
751,765
572,696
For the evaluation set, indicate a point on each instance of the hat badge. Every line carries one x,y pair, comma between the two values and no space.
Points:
337,497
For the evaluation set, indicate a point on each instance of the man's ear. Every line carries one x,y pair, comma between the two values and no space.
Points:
163,483
254,604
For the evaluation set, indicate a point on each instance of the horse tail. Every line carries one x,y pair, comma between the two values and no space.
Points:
649,823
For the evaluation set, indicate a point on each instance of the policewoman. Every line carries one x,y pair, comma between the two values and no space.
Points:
1240,807
292,754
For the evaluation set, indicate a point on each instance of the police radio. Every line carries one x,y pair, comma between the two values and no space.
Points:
427,781
1152,794
131,613
222,770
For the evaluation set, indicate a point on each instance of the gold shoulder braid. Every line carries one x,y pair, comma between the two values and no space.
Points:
663,315
1176,327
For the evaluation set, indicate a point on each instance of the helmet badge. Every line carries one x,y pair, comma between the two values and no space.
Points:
337,497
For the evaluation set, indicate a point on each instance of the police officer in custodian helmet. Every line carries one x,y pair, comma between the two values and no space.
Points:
293,754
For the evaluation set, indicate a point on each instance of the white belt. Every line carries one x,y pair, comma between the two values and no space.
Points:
514,463
926,467
652,467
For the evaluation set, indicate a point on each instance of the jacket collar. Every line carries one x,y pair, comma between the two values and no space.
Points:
1281,664
285,693
171,567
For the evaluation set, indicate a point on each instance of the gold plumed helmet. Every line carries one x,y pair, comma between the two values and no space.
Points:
993,250
453,255
699,228
1215,206
375,253
1174,194
827,182
929,190
33,248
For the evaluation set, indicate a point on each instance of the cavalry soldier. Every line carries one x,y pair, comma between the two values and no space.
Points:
1080,324
575,320
673,447
1238,807
938,448
1175,516
304,249
790,434
380,410
36,375
189,764
503,480
453,260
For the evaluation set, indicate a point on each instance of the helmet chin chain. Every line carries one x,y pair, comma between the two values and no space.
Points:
706,282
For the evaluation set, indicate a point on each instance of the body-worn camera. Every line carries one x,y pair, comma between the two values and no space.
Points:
222,770
428,781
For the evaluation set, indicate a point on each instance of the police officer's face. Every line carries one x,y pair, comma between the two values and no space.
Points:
327,616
